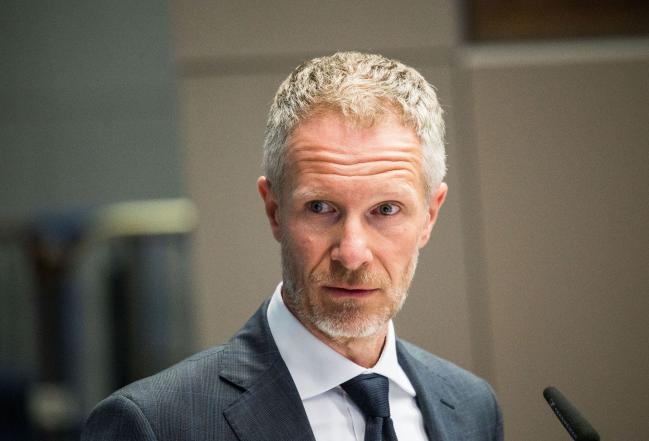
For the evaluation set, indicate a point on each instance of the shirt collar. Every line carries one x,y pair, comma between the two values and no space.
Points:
314,366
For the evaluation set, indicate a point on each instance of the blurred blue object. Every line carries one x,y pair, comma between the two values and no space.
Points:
109,301
15,423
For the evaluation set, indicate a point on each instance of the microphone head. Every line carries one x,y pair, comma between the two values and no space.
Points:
576,425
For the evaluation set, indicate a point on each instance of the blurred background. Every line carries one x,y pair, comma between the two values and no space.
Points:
131,234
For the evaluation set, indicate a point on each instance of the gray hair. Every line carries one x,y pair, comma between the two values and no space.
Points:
363,88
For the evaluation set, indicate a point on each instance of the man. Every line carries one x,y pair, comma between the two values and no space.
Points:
354,162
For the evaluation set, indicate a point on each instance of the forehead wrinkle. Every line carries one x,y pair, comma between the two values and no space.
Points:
350,155
344,159
309,160
361,170
314,191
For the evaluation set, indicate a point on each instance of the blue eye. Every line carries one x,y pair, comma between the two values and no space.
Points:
319,207
388,209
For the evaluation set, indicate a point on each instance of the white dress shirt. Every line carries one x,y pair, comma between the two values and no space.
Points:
318,371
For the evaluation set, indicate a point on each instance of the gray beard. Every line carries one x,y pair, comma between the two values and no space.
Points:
346,319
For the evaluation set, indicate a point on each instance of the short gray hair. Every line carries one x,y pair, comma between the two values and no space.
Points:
363,88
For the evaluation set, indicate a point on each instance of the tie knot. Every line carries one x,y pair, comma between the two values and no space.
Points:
370,393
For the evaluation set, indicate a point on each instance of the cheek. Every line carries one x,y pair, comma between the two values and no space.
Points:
398,250
403,237
306,245
395,249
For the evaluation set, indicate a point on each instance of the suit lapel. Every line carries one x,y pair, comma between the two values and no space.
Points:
270,406
434,398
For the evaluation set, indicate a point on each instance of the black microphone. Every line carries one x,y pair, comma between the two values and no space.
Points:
576,425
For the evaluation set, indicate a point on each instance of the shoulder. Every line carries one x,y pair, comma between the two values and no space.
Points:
460,380
199,372
206,374
190,396
151,408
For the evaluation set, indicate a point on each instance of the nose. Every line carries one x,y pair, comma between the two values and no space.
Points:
352,248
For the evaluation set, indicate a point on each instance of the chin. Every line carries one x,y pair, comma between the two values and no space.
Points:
350,320
344,331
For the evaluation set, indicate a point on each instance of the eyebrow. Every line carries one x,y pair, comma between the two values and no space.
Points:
309,193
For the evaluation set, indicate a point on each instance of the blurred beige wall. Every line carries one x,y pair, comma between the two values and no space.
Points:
537,270
561,137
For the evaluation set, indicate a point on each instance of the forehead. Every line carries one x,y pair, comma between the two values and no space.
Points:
328,146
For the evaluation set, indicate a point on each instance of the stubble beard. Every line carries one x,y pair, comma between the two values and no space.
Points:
342,319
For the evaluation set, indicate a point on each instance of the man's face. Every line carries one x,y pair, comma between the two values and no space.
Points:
352,218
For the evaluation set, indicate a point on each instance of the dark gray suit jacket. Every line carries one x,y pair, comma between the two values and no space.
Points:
242,391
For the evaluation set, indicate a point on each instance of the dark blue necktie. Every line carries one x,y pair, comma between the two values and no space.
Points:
370,393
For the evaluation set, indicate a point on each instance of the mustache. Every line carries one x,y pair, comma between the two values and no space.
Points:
339,274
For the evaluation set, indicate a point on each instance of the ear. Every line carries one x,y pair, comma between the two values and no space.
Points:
436,201
270,205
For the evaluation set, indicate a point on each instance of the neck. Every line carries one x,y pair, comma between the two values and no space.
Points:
364,351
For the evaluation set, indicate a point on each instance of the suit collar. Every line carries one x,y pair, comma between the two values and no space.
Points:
435,396
270,406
